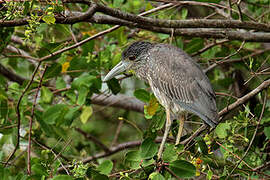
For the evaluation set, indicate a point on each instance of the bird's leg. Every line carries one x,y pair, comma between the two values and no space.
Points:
167,129
180,129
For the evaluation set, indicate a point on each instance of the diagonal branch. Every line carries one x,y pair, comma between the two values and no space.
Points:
245,98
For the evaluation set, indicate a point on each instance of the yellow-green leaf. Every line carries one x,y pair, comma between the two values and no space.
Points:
46,95
86,114
49,19
65,67
152,107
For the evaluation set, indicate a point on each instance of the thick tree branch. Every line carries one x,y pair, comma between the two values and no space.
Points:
193,23
119,101
191,32
74,19
194,28
10,75
146,21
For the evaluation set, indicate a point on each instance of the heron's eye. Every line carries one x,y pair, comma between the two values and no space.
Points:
131,57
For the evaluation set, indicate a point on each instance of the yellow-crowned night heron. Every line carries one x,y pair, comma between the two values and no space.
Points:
176,80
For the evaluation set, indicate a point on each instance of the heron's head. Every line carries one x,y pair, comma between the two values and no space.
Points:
132,57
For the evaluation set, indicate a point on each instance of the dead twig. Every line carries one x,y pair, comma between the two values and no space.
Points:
31,122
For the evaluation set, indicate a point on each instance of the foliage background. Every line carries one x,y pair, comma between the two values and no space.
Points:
60,121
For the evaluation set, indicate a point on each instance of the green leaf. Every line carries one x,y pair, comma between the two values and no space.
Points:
194,45
94,174
72,114
202,145
60,83
184,13
209,174
148,148
86,114
82,64
49,19
133,159
71,95
142,95
267,132
88,47
83,80
183,169
48,129
105,167
46,95
114,86
49,48
83,91
3,108
5,36
163,36
55,114
62,177
221,130
158,121
121,35
39,169
26,8
156,176
53,71
169,153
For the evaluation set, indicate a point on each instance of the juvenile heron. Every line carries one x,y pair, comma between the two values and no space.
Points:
177,81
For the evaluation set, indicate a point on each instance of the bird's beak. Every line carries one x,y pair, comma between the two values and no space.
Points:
120,67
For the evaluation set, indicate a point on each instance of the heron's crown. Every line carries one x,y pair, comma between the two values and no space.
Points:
136,49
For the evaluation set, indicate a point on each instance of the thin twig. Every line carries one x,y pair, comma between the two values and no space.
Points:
253,137
172,173
239,10
236,60
120,124
232,153
209,46
31,122
44,146
19,115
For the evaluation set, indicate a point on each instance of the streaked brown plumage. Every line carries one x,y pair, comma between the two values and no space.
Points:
176,80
